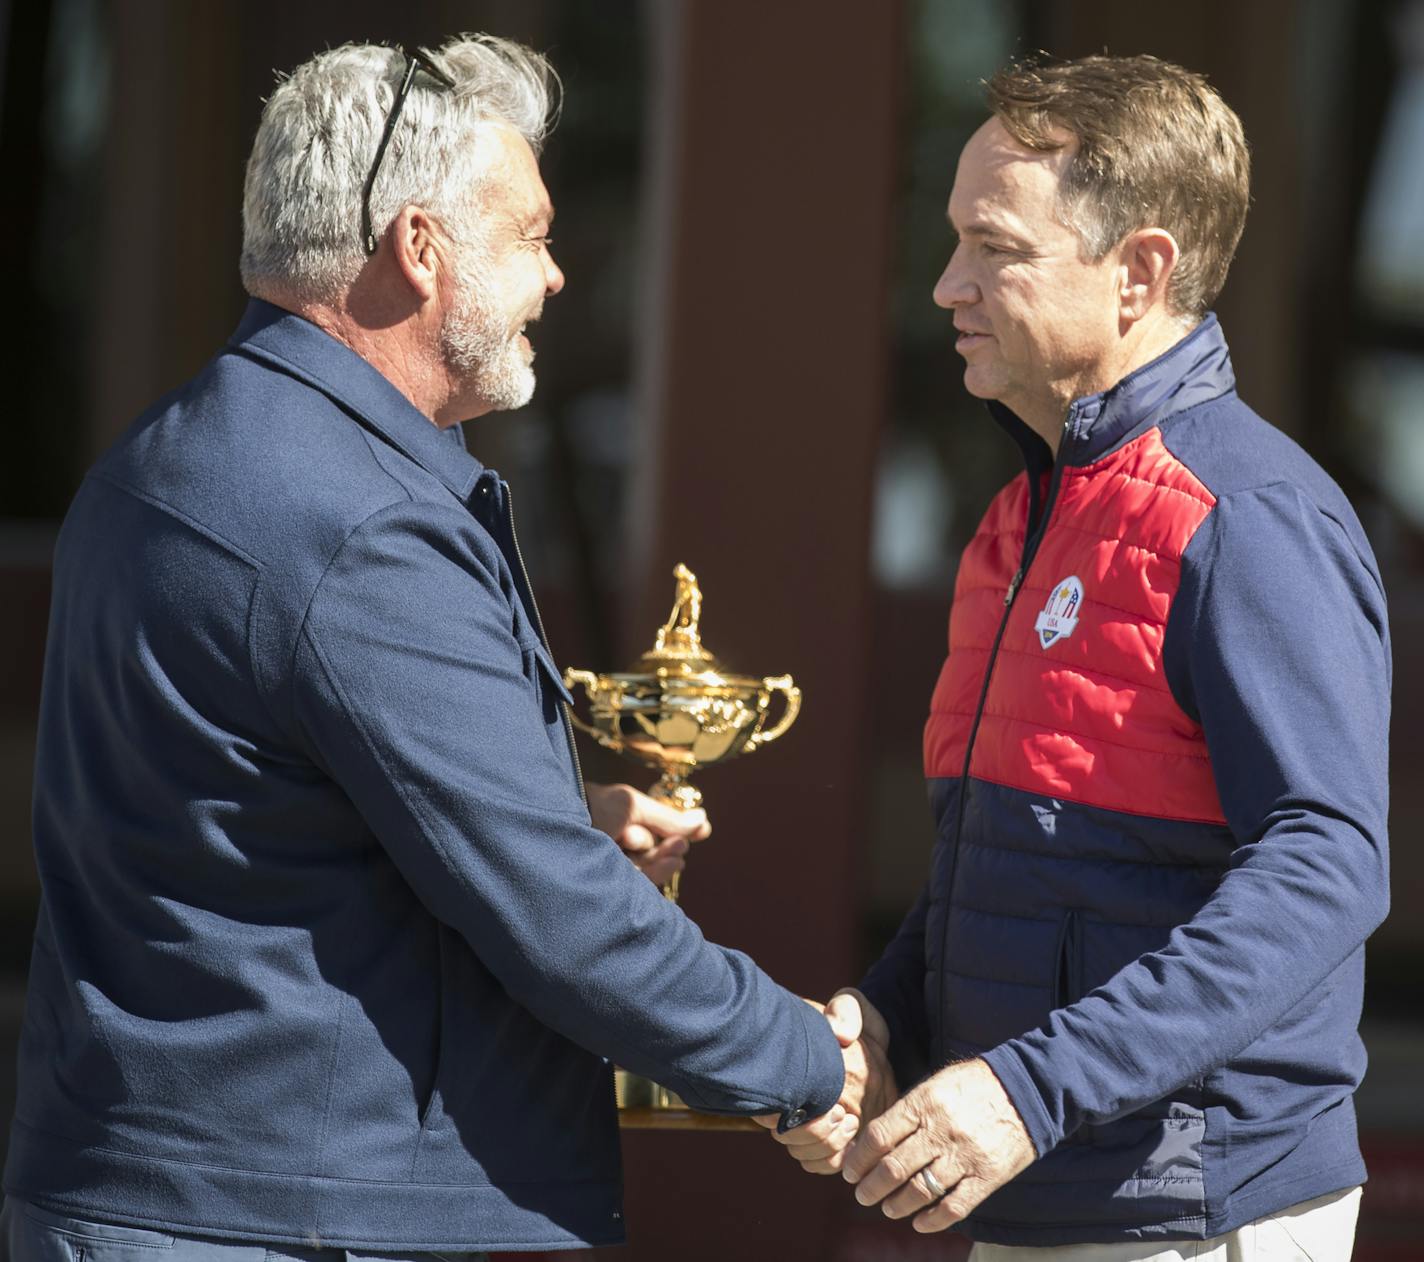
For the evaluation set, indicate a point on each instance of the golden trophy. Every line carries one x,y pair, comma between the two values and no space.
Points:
674,710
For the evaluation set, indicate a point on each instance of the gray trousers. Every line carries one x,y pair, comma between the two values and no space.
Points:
1322,1230
31,1234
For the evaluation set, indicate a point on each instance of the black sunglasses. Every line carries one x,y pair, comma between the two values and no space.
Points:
413,62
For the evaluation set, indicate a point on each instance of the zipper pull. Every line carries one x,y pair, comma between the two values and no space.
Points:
1014,585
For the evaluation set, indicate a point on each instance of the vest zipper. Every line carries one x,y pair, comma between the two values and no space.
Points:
527,592
1014,584
1031,545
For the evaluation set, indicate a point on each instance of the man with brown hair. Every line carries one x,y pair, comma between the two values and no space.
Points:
1124,1011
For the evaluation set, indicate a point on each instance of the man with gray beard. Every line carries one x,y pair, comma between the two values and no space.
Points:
332,950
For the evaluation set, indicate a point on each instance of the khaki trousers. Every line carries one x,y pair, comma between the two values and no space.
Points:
1322,1230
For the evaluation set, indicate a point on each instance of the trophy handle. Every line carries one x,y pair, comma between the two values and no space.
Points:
792,696
572,679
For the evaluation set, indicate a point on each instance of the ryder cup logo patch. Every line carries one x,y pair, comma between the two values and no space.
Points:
1059,617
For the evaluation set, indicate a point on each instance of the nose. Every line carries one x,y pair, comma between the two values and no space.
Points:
553,277
955,288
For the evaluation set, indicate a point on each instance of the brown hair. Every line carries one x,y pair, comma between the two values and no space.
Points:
1157,147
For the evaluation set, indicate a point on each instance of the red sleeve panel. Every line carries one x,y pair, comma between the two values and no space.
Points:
1078,705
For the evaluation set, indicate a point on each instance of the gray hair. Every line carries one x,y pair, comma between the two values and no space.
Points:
301,205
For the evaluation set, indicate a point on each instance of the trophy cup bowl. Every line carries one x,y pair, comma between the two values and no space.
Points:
675,721
674,710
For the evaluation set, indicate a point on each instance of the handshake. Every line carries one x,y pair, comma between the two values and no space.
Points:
933,1153
936,1151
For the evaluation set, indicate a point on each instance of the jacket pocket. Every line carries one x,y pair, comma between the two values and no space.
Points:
541,672
432,1101
1068,983
552,678
1068,988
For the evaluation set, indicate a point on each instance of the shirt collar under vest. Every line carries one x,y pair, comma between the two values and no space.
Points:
296,346
1194,370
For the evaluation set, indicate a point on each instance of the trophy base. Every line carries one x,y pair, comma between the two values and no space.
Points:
643,1105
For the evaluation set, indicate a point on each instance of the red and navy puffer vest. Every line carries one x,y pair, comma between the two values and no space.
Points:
1081,828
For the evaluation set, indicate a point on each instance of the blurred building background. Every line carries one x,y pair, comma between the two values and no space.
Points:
744,373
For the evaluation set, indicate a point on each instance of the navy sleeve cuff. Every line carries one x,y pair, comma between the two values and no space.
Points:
825,1073
1024,1095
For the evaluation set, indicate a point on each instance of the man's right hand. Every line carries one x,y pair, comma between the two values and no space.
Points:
820,1144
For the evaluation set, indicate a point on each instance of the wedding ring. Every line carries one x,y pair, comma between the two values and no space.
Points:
931,1185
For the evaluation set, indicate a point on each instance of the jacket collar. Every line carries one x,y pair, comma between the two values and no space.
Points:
296,346
1194,370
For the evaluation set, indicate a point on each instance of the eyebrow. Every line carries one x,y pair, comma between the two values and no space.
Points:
987,228
980,227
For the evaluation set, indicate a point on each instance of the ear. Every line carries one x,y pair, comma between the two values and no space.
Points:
419,250
1147,260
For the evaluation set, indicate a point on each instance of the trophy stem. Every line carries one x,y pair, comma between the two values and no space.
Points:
673,789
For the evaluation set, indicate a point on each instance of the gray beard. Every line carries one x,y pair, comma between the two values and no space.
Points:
479,346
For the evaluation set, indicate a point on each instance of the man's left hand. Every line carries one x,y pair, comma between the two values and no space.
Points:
652,834
958,1125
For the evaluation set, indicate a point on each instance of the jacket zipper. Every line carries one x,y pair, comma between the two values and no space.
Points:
1031,546
528,593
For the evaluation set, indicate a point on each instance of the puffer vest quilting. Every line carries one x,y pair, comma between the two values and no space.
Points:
1083,712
